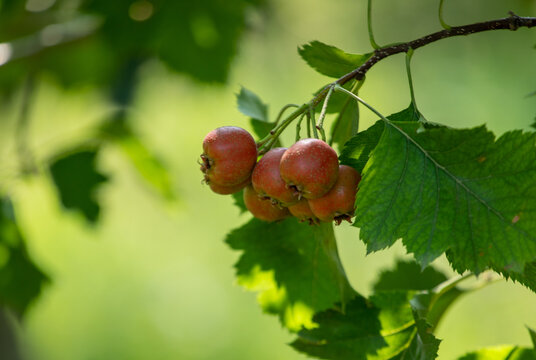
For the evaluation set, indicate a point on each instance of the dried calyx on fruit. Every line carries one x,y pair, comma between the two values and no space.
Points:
263,208
229,156
310,167
302,211
339,203
266,179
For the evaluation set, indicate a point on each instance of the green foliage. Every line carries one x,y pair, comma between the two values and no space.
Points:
293,266
382,328
251,105
76,179
440,188
21,281
527,277
357,151
408,275
329,60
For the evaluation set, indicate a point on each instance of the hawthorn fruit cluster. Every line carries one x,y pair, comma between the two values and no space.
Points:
305,180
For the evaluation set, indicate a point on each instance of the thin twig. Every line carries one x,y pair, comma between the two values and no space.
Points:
512,22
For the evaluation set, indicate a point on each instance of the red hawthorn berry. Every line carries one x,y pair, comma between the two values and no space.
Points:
263,208
310,167
302,211
339,203
227,190
266,179
229,155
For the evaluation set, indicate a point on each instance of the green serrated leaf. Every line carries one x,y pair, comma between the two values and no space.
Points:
251,105
383,328
21,281
527,278
357,150
443,188
76,179
329,60
423,346
293,266
408,275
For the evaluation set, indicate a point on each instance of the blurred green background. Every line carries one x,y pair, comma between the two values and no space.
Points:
152,279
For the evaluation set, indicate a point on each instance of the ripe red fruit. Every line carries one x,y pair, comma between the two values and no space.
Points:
263,208
227,190
339,203
310,167
303,212
266,179
229,155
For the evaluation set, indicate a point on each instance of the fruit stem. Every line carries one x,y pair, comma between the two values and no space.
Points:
264,144
320,124
409,54
443,23
313,122
373,43
298,127
340,88
309,126
282,111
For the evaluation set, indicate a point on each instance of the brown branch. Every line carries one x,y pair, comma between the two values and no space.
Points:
513,22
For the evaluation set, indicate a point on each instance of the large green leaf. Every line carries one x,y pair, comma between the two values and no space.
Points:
21,280
329,60
77,179
294,267
380,329
441,188
357,151
527,277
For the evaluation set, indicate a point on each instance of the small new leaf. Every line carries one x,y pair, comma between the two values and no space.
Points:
76,178
293,266
440,188
329,60
251,105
